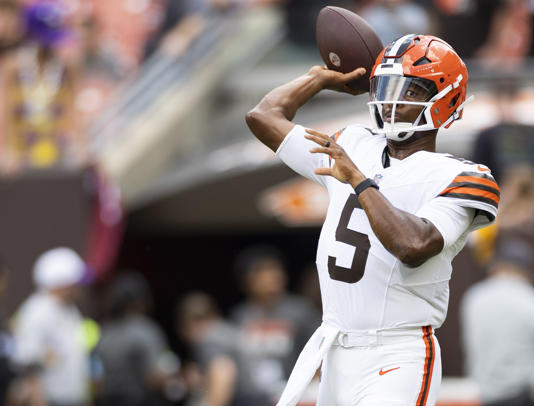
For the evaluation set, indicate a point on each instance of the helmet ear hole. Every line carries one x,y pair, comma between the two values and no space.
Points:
454,100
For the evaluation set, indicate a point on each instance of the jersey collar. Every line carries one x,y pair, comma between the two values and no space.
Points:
385,158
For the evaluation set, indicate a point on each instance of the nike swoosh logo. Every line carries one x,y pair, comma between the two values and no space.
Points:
482,169
386,371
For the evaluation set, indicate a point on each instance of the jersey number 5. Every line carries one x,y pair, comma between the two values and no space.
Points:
354,238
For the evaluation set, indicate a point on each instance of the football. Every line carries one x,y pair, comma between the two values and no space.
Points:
346,42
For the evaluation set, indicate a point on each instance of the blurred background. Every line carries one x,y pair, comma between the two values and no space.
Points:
122,139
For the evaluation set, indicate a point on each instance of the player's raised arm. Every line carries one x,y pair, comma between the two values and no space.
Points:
270,120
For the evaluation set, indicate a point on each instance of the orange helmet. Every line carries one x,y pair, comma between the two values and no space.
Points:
420,70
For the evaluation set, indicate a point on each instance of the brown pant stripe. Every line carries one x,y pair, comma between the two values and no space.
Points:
429,366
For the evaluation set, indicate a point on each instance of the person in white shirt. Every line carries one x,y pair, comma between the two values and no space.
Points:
48,330
497,321
399,212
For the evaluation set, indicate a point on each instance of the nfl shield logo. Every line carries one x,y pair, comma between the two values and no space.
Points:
377,178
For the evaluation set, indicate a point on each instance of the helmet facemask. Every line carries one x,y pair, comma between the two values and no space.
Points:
413,61
392,105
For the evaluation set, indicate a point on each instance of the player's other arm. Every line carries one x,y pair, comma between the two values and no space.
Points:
410,238
270,120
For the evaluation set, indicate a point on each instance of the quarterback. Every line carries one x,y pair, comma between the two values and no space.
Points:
399,213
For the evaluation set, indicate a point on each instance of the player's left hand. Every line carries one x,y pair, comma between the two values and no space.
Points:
343,169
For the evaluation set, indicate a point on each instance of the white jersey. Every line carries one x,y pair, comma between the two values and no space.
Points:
363,286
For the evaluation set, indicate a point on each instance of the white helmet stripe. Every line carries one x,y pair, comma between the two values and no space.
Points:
398,44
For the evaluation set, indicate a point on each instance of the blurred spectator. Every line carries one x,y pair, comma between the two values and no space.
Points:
301,17
308,287
392,19
509,38
508,149
11,31
509,143
214,344
498,327
138,365
125,26
499,32
7,373
48,330
274,325
98,60
17,387
183,21
465,24
39,92
516,212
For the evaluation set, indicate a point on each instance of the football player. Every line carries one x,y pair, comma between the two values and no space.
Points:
399,213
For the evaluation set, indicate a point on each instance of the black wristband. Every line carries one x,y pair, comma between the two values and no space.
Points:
364,185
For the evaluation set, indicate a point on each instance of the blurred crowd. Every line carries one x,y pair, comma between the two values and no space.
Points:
59,63
69,344
52,354
62,60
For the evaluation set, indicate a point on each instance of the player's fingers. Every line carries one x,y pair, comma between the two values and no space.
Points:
323,171
321,141
355,74
318,134
317,140
322,150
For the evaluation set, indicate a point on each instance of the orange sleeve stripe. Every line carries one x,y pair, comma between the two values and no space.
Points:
472,191
473,179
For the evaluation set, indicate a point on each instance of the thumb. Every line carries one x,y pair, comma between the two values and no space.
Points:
355,74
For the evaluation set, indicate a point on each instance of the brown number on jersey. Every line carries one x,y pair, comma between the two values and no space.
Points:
354,238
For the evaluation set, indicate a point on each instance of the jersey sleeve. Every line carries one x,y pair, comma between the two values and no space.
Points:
477,190
467,203
295,153
450,219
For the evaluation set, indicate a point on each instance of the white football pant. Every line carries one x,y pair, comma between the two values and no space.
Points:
400,367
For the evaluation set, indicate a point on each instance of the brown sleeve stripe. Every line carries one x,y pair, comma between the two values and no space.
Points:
472,191
475,190
466,196
468,188
456,185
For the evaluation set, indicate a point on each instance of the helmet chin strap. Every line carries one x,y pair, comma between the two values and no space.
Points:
394,130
